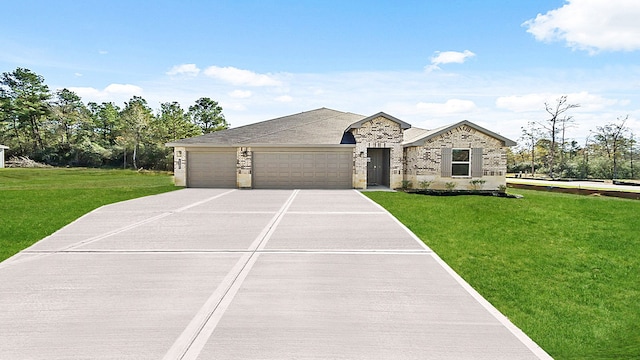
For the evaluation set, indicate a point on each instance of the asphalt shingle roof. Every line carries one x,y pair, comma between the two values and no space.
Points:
413,133
316,127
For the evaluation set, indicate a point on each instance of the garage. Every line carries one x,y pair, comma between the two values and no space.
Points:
303,169
317,149
213,169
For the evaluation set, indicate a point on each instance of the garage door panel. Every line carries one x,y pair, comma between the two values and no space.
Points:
302,169
211,169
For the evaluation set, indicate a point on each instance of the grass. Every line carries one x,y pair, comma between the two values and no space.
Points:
564,268
34,203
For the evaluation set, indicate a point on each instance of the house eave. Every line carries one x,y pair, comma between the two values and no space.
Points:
258,145
421,141
359,123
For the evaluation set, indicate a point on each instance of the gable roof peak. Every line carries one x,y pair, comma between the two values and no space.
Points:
358,124
420,140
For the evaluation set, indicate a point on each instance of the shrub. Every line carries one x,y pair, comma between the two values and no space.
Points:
424,184
406,184
476,183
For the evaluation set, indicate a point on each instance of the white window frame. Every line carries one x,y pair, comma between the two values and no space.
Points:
468,163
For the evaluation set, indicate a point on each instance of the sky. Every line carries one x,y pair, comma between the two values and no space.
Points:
429,63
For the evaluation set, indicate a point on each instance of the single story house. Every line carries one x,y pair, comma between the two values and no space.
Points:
329,149
2,149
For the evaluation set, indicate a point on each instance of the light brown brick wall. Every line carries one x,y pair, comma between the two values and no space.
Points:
378,133
245,163
180,166
422,163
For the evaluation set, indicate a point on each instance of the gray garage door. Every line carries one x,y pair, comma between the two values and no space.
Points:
302,170
211,169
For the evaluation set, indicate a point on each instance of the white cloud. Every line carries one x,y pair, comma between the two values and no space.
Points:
591,25
240,94
234,107
237,76
504,103
592,102
123,89
451,106
86,92
535,102
103,52
113,92
284,98
523,103
77,74
184,69
448,57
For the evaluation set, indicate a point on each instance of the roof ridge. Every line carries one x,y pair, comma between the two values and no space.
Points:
297,125
276,118
269,120
417,133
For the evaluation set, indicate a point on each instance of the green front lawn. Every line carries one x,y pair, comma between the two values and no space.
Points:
564,268
36,202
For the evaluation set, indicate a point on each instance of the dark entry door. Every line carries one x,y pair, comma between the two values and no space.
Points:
378,166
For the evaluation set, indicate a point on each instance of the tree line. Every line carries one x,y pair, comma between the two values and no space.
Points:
609,151
57,128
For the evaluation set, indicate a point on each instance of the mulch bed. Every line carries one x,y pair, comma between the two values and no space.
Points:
433,192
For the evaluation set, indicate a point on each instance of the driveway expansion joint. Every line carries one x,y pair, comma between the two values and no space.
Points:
195,336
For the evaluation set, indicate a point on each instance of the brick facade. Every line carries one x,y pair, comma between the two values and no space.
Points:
180,166
378,133
417,163
423,163
245,163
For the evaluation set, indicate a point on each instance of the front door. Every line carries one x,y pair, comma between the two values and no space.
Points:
378,167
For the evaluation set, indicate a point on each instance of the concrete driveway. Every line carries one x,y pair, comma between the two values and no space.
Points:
231,274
